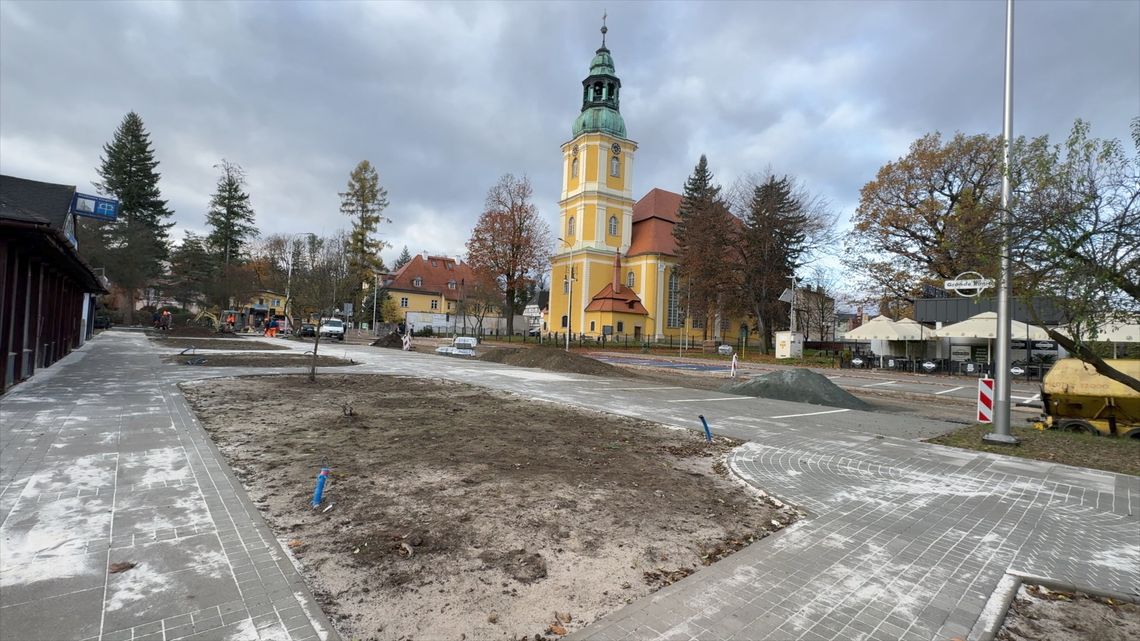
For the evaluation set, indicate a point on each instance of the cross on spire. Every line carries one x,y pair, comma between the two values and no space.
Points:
604,29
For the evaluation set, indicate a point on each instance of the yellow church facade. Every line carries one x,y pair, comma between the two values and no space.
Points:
613,271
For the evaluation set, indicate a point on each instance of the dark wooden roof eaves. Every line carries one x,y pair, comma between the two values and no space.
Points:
41,239
34,201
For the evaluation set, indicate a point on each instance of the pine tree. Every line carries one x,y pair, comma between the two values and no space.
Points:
703,233
192,270
364,201
404,259
133,247
230,216
773,243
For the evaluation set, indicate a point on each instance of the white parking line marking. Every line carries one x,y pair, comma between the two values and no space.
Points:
947,391
710,400
634,389
809,414
1026,399
877,384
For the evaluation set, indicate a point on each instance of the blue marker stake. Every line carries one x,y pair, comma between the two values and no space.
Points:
708,432
320,489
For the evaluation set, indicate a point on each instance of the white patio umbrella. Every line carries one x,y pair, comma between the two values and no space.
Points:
912,330
984,325
879,328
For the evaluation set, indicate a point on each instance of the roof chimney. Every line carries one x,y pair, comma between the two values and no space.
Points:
617,273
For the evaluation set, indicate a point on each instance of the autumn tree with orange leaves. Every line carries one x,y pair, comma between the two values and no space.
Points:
510,243
929,216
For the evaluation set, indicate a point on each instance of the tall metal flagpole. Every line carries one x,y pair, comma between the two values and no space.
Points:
1001,432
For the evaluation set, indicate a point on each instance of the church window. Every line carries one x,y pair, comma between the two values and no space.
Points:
564,320
574,168
613,225
674,318
615,166
698,323
592,326
565,285
570,226
629,280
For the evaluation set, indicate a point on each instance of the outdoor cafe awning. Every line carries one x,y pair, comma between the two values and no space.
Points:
984,325
879,328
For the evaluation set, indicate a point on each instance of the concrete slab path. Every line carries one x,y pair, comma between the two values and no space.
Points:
903,540
101,463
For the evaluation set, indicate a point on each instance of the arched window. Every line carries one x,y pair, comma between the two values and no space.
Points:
574,168
569,226
629,280
564,320
613,225
615,166
674,313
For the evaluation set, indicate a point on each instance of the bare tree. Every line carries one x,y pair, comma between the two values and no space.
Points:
510,241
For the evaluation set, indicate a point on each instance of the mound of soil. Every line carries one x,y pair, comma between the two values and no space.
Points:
553,359
244,344
798,385
393,340
1041,613
256,360
190,332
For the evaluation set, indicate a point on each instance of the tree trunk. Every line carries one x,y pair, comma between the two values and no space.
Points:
509,310
129,312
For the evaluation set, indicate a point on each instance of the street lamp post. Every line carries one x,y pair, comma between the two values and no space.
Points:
569,292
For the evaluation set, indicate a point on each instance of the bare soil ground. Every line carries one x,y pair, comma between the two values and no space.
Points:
553,359
1040,613
256,360
457,510
216,343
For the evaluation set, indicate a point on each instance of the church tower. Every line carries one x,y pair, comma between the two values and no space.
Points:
596,206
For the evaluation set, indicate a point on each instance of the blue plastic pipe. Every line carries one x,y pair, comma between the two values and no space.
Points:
708,432
318,493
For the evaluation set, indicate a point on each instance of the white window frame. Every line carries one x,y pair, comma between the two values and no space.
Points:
435,304
403,301
629,280
613,226
615,167
570,226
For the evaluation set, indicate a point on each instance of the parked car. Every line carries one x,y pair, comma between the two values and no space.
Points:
307,329
102,322
332,328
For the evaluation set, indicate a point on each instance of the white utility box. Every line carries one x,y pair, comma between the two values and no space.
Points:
789,345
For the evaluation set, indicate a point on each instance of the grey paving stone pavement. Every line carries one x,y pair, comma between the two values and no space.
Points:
101,462
902,540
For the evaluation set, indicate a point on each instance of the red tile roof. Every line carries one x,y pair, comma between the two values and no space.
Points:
434,272
623,301
653,219
657,203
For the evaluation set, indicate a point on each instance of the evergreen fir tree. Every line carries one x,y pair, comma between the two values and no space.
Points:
404,259
773,244
704,232
133,247
364,201
192,270
230,216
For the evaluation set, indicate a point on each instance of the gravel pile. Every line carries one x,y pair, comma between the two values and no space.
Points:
798,385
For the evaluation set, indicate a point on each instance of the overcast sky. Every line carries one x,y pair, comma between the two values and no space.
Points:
444,98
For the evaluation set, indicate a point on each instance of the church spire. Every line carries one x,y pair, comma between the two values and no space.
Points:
600,95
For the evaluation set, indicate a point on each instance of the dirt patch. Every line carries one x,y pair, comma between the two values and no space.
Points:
393,340
190,332
553,359
458,510
1040,613
247,344
1120,455
256,360
798,385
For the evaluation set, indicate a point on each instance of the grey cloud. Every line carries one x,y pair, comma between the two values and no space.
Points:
444,98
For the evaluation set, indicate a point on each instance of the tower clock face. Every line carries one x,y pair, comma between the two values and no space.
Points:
616,148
